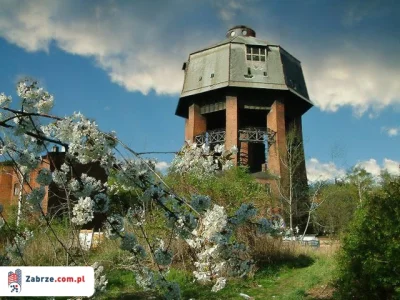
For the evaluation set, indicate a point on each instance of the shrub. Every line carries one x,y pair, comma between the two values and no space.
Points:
369,263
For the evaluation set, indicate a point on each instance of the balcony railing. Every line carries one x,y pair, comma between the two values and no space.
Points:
249,134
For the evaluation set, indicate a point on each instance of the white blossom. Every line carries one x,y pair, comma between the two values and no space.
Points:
85,186
60,178
17,247
100,280
200,161
145,278
219,284
5,100
214,221
83,211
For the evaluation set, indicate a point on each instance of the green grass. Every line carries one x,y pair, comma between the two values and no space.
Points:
289,280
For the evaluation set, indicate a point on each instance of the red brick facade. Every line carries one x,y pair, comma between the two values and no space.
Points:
10,183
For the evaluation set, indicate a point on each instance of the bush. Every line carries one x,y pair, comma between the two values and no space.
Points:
229,189
369,263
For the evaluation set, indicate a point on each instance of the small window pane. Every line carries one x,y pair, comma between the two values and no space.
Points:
248,49
248,57
262,58
256,58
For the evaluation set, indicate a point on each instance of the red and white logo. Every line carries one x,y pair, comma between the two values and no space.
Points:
14,281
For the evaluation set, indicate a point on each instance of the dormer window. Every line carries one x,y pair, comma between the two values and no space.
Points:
255,53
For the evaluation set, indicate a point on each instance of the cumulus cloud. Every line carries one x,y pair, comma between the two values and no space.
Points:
132,42
318,171
162,165
391,131
142,48
372,166
352,77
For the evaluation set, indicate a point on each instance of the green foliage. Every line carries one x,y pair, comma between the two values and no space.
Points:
370,258
339,202
229,188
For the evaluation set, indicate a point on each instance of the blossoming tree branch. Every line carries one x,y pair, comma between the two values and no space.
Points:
30,130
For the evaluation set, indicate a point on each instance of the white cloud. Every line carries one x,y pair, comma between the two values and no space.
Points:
391,131
142,48
136,45
317,171
372,166
353,77
162,165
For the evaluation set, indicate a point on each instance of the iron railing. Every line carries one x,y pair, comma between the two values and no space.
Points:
249,134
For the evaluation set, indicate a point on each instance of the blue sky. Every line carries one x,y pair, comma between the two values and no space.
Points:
119,62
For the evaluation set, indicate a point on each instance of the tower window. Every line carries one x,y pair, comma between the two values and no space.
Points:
254,53
16,189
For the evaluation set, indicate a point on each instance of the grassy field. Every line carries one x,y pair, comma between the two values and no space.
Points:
307,276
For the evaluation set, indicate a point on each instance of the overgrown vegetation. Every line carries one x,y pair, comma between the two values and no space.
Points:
370,257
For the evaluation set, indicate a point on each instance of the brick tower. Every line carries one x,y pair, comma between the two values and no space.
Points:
246,92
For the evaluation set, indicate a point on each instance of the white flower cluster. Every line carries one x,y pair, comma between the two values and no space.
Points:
44,177
201,161
217,255
136,216
60,176
145,279
17,247
83,211
100,280
134,171
85,186
85,142
5,100
34,99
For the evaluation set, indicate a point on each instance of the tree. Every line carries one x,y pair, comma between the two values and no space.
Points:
369,261
293,186
362,180
338,202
